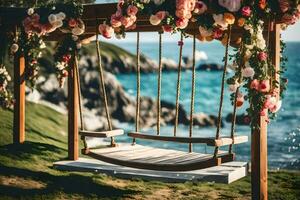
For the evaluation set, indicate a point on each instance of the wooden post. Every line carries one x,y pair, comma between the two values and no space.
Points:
259,152
19,95
72,112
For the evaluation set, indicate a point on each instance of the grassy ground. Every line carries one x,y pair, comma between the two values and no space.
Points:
26,171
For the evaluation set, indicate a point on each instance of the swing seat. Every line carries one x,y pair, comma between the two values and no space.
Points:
102,134
151,158
210,141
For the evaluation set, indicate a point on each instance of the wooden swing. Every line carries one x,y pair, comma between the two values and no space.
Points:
144,157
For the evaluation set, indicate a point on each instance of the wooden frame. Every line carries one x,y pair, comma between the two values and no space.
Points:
19,95
92,13
102,134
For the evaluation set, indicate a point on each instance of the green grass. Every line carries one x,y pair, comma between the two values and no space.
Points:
26,170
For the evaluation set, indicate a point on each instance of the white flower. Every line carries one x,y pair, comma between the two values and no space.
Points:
42,44
78,45
231,5
234,87
248,72
14,48
74,37
58,24
61,16
77,31
30,11
158,2
219,20
154,20
52,18
205,32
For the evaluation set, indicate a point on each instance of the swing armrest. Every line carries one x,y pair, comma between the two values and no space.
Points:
102,134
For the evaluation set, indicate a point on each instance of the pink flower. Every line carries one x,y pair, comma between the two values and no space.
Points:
262,56
284,5
167,28
132,10
182,23
255,84
161,14
289,19
264,86
128,21
246,11
115,21
217,33
120,4
200,8
263,112
182,13
106,31
248,72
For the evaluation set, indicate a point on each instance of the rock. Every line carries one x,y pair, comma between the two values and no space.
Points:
204,120
32,95
242,119
210,67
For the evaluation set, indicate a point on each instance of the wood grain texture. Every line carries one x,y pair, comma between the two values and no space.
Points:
102,134
19,95
210,141
72,113
145,157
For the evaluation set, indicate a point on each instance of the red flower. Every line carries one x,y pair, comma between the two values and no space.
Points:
262,4
180,43
246,11
262,56
217,33
66,58
167,28
72,22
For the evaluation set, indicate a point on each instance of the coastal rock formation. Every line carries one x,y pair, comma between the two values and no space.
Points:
202,119
242,119
122,106
210,67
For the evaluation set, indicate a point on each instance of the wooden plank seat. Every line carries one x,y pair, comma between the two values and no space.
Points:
210,141
145,157
102,134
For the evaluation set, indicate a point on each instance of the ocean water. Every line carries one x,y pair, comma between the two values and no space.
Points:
283,133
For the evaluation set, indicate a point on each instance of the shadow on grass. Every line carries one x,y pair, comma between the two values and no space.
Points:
71,184
68,183
30,149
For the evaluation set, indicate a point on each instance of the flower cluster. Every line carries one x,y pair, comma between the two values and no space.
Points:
63,57
5,96
39,23
290,10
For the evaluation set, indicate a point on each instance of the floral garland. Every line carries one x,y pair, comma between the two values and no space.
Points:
6,99
254,70
38,24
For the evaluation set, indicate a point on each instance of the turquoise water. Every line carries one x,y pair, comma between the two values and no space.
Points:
283,133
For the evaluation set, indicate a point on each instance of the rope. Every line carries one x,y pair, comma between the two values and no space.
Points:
193,92
76,69
233,120
138,85
159,84
178,84
103,84
222,89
